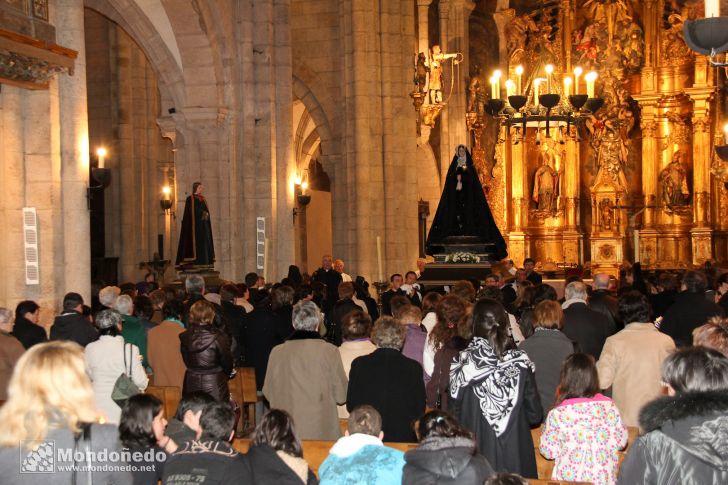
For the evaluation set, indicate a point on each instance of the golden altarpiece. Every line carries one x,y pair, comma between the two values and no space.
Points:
635,180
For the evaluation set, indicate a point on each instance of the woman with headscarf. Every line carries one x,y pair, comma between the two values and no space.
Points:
493,392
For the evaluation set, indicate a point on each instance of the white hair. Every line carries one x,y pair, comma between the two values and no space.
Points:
108,295
306,316
195,283
601,281
6,316
575,289
124,305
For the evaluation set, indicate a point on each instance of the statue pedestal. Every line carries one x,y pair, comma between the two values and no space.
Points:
442,274
464,244
212,277
607,254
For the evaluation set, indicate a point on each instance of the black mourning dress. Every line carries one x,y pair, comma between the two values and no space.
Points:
195,239
464,212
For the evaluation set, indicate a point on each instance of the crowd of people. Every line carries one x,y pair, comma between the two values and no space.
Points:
465,371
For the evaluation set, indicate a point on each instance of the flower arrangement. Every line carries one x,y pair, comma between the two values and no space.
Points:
462,257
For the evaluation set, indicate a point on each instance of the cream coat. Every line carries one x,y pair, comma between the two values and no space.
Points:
631,362
305,377
349,351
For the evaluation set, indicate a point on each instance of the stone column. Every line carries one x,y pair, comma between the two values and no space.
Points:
423,29
650,156
74,152
454,37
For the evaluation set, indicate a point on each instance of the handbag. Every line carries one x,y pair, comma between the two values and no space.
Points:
124,387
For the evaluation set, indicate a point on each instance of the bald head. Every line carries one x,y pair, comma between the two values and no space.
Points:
601,281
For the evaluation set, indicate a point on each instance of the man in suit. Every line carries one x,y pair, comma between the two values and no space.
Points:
394,290
531,275
690,310
602,301
588,328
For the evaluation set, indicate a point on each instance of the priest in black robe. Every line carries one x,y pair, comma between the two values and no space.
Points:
463,209
195,239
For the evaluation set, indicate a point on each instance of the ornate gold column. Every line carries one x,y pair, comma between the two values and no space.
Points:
519,207
701,232
572,235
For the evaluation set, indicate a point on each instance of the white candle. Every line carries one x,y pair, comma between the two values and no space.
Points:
510,88
567,86
536,90
591,77
497,76
165,192
712,8
265,260
636,246
519,73
725,133
101,152
549,74
379,258
493,94
577,72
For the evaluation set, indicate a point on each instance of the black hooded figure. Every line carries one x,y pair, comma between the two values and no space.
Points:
463,210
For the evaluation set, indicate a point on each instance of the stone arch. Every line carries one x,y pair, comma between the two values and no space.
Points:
329,146
138,26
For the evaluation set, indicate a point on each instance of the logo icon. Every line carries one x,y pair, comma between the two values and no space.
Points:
40,458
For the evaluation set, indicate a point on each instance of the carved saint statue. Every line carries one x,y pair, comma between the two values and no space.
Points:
421,72
473,91
606,215
545,183
673,180
436,60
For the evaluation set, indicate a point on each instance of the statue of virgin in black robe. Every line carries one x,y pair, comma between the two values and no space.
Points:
463,210
195,239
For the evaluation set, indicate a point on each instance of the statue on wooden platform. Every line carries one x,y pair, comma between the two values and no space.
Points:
195,239
546,183
674,183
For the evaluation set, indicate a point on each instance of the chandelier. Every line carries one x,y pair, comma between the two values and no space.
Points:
544,104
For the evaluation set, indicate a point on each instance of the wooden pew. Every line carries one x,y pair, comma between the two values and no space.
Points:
315,452
244,392
546,467
170,397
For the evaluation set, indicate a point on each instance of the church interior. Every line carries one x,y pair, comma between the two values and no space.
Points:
266,103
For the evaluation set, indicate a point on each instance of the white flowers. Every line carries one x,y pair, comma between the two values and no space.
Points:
462,257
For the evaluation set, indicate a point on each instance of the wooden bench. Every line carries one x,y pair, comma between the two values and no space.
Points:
244,391
170,397
315,452
546,467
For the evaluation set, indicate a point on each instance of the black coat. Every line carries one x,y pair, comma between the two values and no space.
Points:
332,280
260,338
661,302
603,302
283,323
445,460
588,328
75,327
28,332
512,451
269,469
235,320
534,278
206,353
690,311
387,300
464,212
209,462
393,385
684,441
439,384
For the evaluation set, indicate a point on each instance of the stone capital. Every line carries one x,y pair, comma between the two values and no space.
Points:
424,3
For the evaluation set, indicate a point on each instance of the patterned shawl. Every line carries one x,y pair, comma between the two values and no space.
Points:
494,382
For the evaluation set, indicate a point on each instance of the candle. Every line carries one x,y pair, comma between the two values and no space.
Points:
101,152
497,74
725,133
591,77
549,74
492,88
536,89
265,260
304,187
519,73
712,8
577,72
567,86
379,258
636,246
165,192
510,88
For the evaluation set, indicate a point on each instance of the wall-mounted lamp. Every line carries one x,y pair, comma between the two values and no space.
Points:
100,174
302,198
166,201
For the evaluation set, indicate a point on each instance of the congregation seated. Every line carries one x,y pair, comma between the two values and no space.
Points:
211,459
50,398
360,456
275,455
446,453
685,431
185,425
